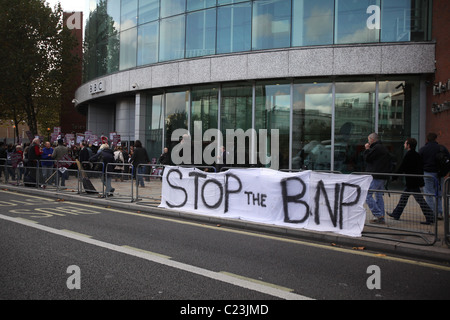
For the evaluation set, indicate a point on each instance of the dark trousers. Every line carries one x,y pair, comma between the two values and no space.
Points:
428,213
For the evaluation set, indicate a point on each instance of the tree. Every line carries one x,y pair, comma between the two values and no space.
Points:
36,50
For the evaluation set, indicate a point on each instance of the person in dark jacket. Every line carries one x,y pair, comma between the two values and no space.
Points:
412,165
428,153
105,155
377,160
139,156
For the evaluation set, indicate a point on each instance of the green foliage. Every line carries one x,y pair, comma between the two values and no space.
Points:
37,61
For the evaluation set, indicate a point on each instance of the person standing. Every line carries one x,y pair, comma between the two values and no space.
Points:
412,164
377,160
58,154
433,185
33,156
139,156
106,155
47,162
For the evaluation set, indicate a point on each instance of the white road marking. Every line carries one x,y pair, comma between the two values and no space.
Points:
269,290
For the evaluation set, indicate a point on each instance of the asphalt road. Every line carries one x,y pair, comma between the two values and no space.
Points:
58,250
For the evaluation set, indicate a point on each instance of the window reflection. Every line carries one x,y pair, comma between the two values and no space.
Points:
312,22
351,22
128,45
234,28
148,11
172,38
354,121
148,43
177,108
193,5
128,14
154,125
200,33
271,24
311,126
272,111
172,7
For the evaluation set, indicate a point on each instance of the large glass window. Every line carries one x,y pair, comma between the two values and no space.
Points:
177,109
271,24
113,9
312,22
354,121
404,20
236,113
352,22
193,5
272,111
148,11
234,28
154,125
204,112
311,126
200,33
172,7
172,38
128,14
128,45
148,43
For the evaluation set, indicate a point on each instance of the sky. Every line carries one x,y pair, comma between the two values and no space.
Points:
69,5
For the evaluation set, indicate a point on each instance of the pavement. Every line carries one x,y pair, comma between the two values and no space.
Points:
388,240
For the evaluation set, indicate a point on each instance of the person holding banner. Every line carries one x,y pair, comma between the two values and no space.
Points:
377,160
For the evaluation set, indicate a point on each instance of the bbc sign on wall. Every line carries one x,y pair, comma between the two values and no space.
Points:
96,87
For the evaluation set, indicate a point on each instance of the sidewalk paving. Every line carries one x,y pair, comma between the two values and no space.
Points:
387,240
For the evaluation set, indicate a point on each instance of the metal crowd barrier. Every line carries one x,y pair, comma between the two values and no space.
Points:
407,229
446,196
148,184
90,183
410,227
122,174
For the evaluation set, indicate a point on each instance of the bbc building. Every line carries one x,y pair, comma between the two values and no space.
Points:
325,73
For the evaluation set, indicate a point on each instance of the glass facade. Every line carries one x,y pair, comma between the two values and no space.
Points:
322,125
123,34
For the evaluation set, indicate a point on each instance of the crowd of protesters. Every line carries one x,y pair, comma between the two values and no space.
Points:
17,159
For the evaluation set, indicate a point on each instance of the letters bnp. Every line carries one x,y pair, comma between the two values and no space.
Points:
190,151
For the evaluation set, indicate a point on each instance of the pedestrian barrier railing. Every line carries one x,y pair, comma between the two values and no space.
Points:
408,228
408,221
91,179
148,187
121,173
446,196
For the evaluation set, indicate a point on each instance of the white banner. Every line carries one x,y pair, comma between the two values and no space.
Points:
309,200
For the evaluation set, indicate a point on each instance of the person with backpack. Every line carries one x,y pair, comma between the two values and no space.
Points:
430,153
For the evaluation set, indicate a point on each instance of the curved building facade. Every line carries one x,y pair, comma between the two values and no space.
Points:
325,73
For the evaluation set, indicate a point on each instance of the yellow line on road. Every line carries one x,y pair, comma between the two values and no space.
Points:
295,241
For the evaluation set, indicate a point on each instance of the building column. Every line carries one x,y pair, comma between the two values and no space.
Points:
140,115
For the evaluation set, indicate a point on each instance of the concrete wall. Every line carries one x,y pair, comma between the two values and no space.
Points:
372,59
